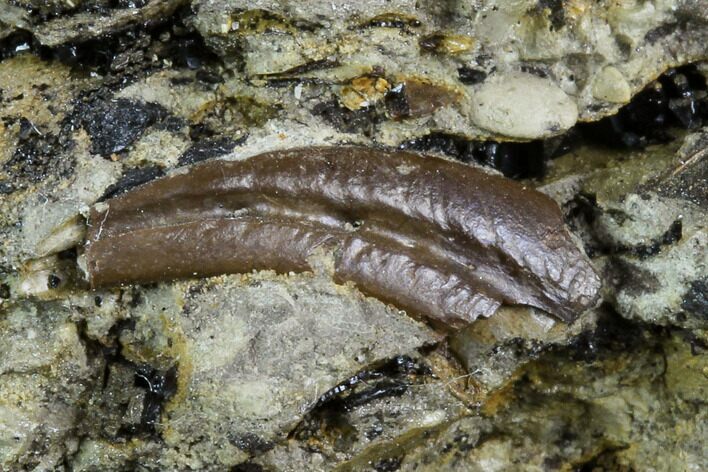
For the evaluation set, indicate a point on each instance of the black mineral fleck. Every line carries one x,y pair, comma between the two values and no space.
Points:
251,443
53,281
160,387
209,148
27,129
247,467
391,378
613,334
516,160
209,77
15,43
661,31
130,3
555,12
359,121
389,464
643,251
679,98
132,178
189,52
6,187
471,76
387,380
696,299
36,156
115,124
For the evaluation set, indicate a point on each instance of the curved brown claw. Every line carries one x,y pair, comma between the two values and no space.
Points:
435,237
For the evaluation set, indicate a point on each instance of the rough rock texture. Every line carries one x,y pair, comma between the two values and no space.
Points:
260,353
586,57
45,375
647,215
637,401
266,372
492,349
56,22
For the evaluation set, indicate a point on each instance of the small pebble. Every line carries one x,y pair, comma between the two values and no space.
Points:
521,105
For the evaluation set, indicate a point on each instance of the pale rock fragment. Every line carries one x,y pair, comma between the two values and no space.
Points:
521,105
611,86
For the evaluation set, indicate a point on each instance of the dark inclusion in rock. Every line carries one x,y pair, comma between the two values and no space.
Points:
556,12
134,49
613,334
471,76
251,443
15,43
6,187
392,20
247,467
643,251
389,379
687,93
389,464
130,3
209,148
386,379
160,387
517,160
677,98
361,121
32,157
191,52
696,299
132,178
38,154
95,55
115,124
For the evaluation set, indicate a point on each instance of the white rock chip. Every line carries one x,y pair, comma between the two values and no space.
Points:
611,86
522,106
